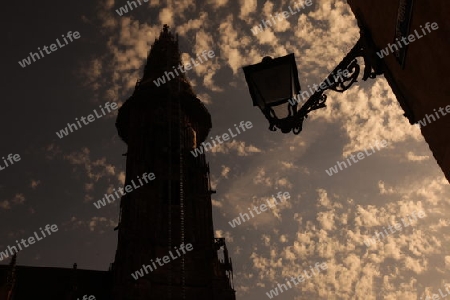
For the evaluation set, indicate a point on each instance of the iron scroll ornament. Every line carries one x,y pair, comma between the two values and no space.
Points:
337,80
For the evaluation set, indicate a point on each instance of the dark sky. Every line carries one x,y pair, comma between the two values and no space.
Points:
327,218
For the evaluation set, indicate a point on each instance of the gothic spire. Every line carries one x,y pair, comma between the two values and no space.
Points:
164,59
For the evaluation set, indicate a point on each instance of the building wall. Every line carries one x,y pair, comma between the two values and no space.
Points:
154,218
424,82
53,283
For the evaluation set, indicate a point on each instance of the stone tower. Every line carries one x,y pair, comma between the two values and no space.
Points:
161,125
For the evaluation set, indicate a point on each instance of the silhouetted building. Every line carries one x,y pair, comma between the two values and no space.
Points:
161,125
417,68
23,282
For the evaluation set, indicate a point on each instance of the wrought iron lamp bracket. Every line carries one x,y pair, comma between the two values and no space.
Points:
339,80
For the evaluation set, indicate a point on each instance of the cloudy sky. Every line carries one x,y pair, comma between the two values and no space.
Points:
327,217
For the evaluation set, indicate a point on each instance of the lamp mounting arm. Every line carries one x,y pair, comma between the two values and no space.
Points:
339,80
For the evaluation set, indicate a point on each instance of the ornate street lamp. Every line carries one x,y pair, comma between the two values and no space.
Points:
273,83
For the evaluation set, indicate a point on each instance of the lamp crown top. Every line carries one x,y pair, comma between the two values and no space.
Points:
266,59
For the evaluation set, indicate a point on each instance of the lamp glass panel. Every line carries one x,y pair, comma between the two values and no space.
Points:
274,83
257,97
282,110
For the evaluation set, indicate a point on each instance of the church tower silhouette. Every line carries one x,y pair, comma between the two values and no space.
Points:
161,125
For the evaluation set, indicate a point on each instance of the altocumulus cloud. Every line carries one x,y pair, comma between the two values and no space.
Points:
326,222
